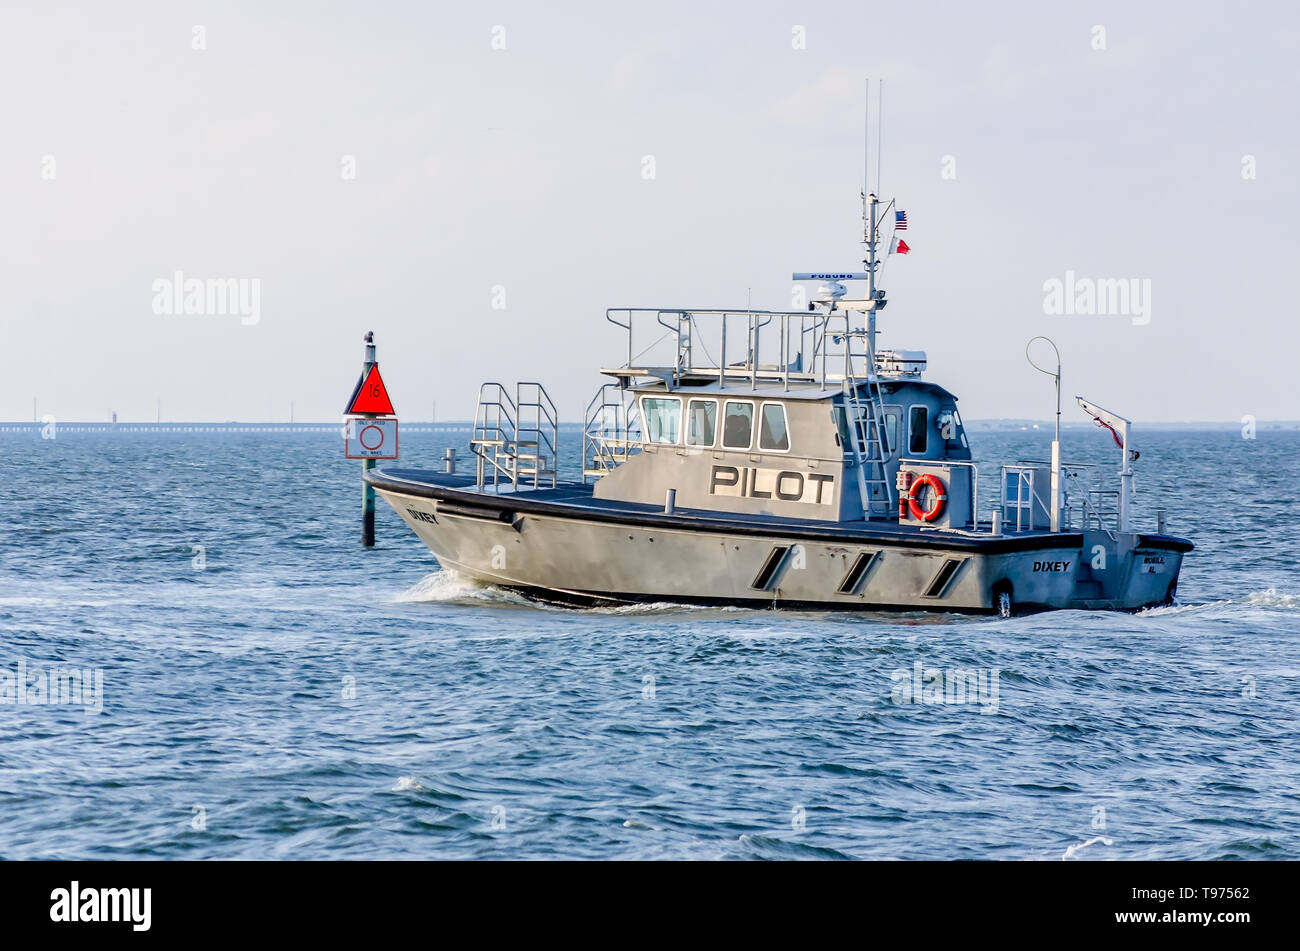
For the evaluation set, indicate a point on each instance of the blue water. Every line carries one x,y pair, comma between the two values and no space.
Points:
299,697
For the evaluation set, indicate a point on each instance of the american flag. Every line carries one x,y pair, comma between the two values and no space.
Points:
900,221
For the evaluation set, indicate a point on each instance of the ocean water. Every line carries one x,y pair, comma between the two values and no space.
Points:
291,695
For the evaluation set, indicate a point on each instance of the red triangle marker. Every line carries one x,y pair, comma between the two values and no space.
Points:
371,396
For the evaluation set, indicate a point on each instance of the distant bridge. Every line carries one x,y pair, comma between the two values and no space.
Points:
35,428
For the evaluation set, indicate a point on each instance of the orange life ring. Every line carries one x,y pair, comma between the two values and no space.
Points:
940,497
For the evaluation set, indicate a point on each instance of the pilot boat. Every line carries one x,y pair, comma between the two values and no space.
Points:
779,459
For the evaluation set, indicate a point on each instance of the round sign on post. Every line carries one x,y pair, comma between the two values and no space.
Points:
370,437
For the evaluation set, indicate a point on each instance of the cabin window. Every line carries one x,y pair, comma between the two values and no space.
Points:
840,415
892,416
772,432
702,422
951,431
917,421
663,419
738,425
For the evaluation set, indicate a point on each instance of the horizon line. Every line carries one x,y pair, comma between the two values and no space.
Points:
315,424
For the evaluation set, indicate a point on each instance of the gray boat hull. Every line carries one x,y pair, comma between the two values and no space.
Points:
556,545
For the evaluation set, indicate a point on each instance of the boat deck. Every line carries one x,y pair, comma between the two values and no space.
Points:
576,500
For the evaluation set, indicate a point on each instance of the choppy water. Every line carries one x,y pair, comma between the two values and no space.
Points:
484,727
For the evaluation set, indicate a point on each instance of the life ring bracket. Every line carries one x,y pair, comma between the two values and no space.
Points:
938,497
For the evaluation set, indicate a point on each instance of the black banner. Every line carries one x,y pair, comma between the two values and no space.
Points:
144,900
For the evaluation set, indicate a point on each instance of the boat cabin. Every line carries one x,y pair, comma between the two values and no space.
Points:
813,435
770,451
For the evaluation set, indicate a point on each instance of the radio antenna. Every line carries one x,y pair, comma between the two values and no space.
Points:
880,106
866,138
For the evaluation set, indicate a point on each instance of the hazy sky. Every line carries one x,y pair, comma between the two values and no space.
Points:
127,154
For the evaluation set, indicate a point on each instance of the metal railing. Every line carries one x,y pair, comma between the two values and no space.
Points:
611,431
1100,508
804,346
1095,507
494,428
1025,496
515,439
536,435
1089,508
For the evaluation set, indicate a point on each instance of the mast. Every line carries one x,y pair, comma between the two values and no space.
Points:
1054,513
869,237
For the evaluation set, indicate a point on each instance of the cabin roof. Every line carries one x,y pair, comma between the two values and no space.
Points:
776,390
742,390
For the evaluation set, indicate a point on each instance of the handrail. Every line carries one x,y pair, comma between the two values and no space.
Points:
609,312
499,424
1071,470
1021,469
1100,513
849,401
543,411
801,338
606,414
494,428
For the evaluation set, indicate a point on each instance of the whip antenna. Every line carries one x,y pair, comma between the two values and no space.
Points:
880,106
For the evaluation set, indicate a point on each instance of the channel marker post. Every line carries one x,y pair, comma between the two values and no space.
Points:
369,431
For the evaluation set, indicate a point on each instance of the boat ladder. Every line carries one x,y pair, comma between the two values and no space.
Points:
868,443
610,434
515,437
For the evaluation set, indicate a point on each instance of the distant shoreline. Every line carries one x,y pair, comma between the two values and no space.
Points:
465,426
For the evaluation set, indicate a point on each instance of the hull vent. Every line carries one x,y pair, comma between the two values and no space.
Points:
857,572
944,578
770,573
